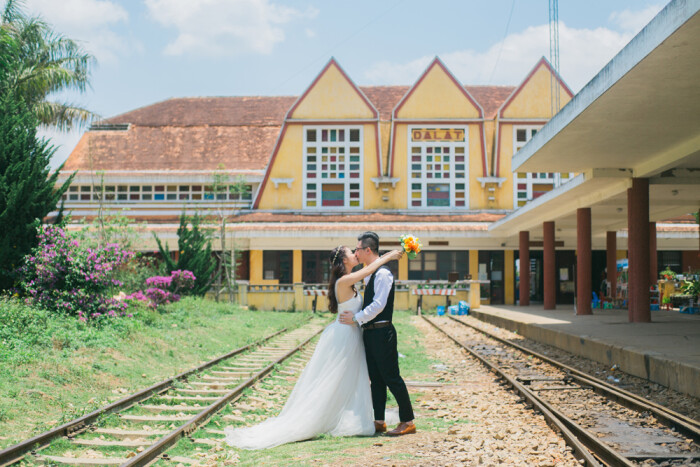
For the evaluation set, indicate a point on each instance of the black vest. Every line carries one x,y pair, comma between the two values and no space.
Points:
388,310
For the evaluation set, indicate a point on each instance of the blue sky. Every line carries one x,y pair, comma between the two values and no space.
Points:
151,50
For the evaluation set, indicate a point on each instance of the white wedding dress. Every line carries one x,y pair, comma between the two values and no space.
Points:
331,396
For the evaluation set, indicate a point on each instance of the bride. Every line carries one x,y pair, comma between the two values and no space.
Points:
332,395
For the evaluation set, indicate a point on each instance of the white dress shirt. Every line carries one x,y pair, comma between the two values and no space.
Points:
383,279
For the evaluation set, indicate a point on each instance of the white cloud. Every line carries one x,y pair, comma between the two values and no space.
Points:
582,54
310,33
634,21
224,27
90,22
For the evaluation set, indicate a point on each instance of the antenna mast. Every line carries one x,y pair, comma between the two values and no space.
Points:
554,53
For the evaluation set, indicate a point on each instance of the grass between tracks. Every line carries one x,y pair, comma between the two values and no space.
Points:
54,369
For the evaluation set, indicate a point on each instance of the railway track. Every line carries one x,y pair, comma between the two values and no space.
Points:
139,429
601,423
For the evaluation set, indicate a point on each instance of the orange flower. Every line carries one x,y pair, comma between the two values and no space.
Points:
411,245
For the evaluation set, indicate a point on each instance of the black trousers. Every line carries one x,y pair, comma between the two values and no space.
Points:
383,366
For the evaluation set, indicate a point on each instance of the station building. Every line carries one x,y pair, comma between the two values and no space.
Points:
308,173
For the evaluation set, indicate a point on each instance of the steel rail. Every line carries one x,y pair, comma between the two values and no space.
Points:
14,453
160,446
549,414
681,423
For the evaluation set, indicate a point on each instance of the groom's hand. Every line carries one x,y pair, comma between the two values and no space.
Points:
346,317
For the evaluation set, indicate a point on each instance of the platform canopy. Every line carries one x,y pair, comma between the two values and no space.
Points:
638,117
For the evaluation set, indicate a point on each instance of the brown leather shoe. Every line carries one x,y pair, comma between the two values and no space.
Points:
379,427
403,428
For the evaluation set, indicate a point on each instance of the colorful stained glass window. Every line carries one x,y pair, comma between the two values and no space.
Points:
437,173
332,167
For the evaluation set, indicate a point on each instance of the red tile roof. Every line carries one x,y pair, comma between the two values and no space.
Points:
175,148
384,98
199,133
490,97
212,111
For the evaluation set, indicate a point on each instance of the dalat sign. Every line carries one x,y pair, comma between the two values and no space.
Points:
437,134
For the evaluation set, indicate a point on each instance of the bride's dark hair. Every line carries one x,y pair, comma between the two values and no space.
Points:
337,271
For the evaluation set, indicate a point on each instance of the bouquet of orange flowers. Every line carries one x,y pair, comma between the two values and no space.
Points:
411,245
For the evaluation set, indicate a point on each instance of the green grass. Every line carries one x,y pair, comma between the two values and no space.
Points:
54,369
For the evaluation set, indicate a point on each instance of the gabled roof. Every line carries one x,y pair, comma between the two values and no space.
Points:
332,65
438,63
199,133
542,62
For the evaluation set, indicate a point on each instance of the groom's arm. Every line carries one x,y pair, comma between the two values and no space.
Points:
382,286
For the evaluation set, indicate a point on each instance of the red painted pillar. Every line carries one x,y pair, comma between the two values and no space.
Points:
524,268
611,261
584,287
549,278
653,257
638,250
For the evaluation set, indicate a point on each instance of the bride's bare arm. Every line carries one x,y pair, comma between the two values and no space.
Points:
349,279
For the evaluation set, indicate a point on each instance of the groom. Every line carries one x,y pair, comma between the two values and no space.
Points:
379,337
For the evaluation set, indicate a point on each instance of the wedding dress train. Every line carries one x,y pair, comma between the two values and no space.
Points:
331,396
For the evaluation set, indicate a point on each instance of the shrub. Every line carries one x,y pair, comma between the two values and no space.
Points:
164,289
61,276
133,275
194,245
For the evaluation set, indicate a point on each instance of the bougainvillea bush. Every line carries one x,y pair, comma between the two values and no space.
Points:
163,290
61,276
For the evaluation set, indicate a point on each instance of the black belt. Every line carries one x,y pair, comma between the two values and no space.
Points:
376,325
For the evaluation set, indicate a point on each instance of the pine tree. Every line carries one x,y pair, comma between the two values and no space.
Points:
195,255
28,190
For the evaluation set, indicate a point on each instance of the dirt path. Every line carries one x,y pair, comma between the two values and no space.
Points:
467,420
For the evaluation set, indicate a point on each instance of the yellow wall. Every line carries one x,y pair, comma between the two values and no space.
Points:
477,195
398,194
504,194
372,195
437,96
332,97
403,268
534,99
289,164
474,264
296,266
286,165
281,301
256,269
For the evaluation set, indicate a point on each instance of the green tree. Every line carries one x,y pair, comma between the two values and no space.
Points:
48,63
228,256
194,245
27,188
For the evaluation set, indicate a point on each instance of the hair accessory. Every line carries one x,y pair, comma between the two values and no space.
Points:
336,254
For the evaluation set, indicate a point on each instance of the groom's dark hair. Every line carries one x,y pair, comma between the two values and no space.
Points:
370,240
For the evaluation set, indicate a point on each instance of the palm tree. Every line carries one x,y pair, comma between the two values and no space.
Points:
47,63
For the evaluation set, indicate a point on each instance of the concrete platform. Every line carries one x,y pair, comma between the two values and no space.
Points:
666,351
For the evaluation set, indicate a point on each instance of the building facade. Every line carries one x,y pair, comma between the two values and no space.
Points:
298,176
